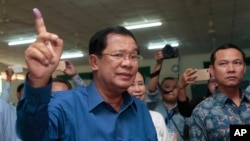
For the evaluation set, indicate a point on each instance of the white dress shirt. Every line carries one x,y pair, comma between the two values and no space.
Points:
7,122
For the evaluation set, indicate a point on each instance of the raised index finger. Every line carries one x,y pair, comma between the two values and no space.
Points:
40,26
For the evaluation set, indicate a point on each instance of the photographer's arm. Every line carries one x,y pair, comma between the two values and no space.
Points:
154,78
77,80
70,70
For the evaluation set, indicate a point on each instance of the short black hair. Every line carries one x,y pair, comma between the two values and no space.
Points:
19,87
61,80
98,41
226,46
143,76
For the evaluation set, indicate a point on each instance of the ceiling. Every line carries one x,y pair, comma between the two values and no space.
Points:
198,25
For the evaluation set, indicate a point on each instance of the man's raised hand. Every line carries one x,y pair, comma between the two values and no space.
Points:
42,56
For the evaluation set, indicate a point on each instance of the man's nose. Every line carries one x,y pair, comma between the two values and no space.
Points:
231,67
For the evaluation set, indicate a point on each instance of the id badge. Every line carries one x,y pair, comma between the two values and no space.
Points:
173,135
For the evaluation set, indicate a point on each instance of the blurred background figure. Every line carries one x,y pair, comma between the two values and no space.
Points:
8,122
7,111
6,89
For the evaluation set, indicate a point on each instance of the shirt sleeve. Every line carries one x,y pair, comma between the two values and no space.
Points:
6,92
78,82
32,113
184,108
152,97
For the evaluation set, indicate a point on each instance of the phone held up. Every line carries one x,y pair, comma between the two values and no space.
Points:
202,74
16,68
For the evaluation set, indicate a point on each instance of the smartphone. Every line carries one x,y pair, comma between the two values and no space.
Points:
202,75
16,68
61,66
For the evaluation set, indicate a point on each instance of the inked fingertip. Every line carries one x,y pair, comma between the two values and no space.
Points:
37,13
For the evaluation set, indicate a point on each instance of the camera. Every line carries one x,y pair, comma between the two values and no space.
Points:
169,52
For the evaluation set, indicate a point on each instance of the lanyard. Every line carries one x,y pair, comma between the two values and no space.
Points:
169,116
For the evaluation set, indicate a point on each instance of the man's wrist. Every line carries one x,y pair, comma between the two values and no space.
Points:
156,73
38,82
8,78
74,76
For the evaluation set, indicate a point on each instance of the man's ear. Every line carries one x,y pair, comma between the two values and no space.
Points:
245,68
94,62
211,70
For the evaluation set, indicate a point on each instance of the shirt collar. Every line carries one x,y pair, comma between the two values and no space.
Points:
175,107
222,99
128,101
246,95
95,98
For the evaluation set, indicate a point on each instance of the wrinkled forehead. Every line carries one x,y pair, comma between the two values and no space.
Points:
121,44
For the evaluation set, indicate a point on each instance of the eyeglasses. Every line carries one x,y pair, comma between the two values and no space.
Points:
119,56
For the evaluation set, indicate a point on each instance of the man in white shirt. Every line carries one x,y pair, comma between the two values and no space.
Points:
7,122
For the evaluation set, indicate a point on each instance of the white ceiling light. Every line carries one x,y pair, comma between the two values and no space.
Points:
161,45
20,42
174,44
75,54
145,25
